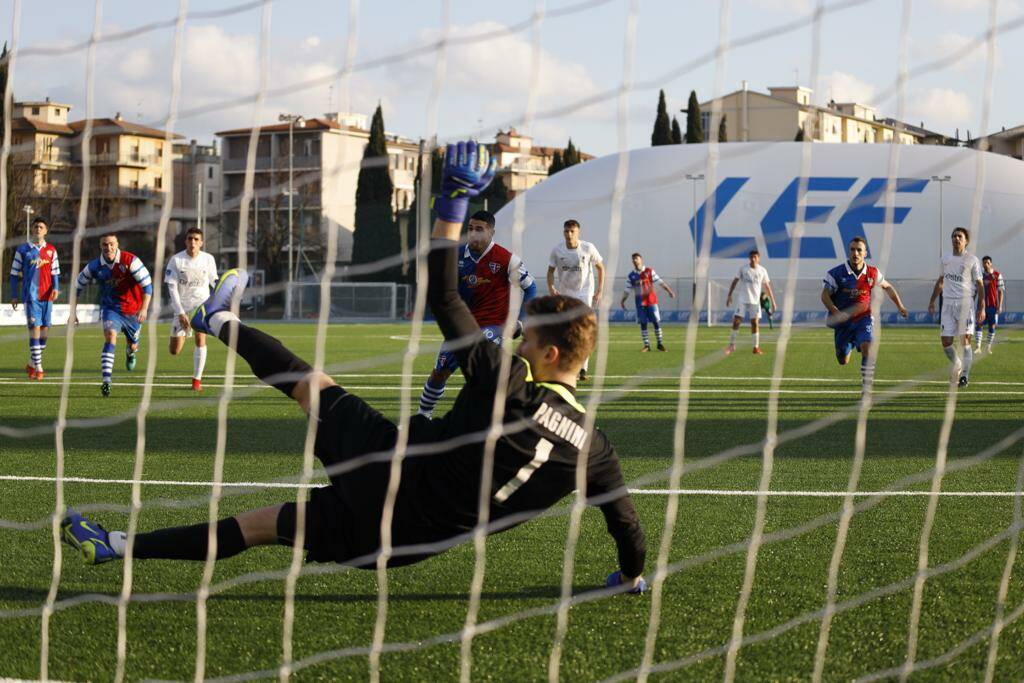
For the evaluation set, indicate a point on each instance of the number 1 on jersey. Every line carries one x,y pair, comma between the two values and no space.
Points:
541,455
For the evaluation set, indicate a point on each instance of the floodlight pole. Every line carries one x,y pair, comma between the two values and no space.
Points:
693,178
941,180
292,119
28,218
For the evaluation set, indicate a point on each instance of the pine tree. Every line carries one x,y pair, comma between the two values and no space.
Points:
556,163
376,232
694,126
799,135
722,136
677,134
662,133
571,156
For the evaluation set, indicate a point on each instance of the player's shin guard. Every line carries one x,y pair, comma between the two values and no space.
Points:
198,362
107,361
867,372
268,358
35,352
190,542
968,360
429,398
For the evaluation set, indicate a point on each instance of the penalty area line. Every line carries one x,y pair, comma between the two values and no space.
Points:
636,492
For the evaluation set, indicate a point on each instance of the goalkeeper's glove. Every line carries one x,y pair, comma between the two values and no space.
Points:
467,171
616,579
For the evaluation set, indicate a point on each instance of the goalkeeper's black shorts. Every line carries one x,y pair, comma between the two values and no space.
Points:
355,443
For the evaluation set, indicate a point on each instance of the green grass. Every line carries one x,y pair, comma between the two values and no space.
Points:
336,610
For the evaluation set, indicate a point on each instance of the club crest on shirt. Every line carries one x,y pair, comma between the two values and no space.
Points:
495,267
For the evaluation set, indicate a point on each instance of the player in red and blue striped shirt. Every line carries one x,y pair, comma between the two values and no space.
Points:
125,291
35,264
995,289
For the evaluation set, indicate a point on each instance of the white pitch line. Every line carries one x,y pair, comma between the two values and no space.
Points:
583,390
637,492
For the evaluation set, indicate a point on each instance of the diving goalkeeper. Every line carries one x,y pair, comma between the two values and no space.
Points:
437,501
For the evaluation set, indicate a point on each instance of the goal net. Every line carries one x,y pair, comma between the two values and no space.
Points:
800,523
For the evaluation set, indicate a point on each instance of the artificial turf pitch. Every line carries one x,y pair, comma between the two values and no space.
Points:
336,610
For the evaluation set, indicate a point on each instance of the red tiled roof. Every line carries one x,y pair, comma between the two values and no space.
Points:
120,126
311,124
41,126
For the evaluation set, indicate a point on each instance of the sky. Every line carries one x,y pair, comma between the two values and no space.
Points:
573,62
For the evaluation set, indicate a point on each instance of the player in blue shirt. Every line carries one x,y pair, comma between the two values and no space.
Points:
35,264
125,291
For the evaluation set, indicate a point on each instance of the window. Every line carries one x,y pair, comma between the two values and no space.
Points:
35,111
705,122
209,198
158,183
209,172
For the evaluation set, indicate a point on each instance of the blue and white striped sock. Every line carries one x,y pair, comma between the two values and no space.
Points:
35,354
646,337
429,398
977,336
107,361
657,333
867,372
991,339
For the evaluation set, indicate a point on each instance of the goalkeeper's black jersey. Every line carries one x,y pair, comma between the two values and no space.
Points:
535,457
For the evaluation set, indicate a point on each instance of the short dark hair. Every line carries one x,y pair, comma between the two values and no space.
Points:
571,223
986,258
858,238
568,324
109,234
194,231
636,254
752,252
485,216
967,235
39,219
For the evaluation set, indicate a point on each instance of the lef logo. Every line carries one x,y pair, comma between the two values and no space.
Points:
867,207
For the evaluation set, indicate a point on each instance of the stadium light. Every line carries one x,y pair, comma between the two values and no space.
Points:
941,180
693,178
293,120
28,217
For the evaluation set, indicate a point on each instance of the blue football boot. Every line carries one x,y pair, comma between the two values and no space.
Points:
88,537
230,282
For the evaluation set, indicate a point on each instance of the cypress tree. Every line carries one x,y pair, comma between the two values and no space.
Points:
694,127
722,136
677,134
799,135
557,164
662,133
571,156
376,232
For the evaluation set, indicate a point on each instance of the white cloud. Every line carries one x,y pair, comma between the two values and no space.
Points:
950,43
843,87
941,109
1006,7
494,77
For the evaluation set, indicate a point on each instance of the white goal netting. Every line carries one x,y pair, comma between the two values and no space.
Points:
318,296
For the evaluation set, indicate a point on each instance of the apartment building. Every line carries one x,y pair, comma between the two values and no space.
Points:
785,111
1008,141
520,163
325,161
197,191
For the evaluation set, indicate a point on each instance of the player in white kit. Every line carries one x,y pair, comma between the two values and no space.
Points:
189,277
575,262
752,278
962,294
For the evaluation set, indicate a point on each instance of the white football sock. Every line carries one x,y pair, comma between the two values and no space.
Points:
198,362
117,542
968,359
950,353
218,319
732,337
757,340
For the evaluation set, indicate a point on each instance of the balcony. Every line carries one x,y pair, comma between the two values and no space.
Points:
52,157
265,163
121,192
125,159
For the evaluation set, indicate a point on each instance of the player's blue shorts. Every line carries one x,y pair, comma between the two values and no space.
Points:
648,314
446,359
118,321
851,335
37,313
991,317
